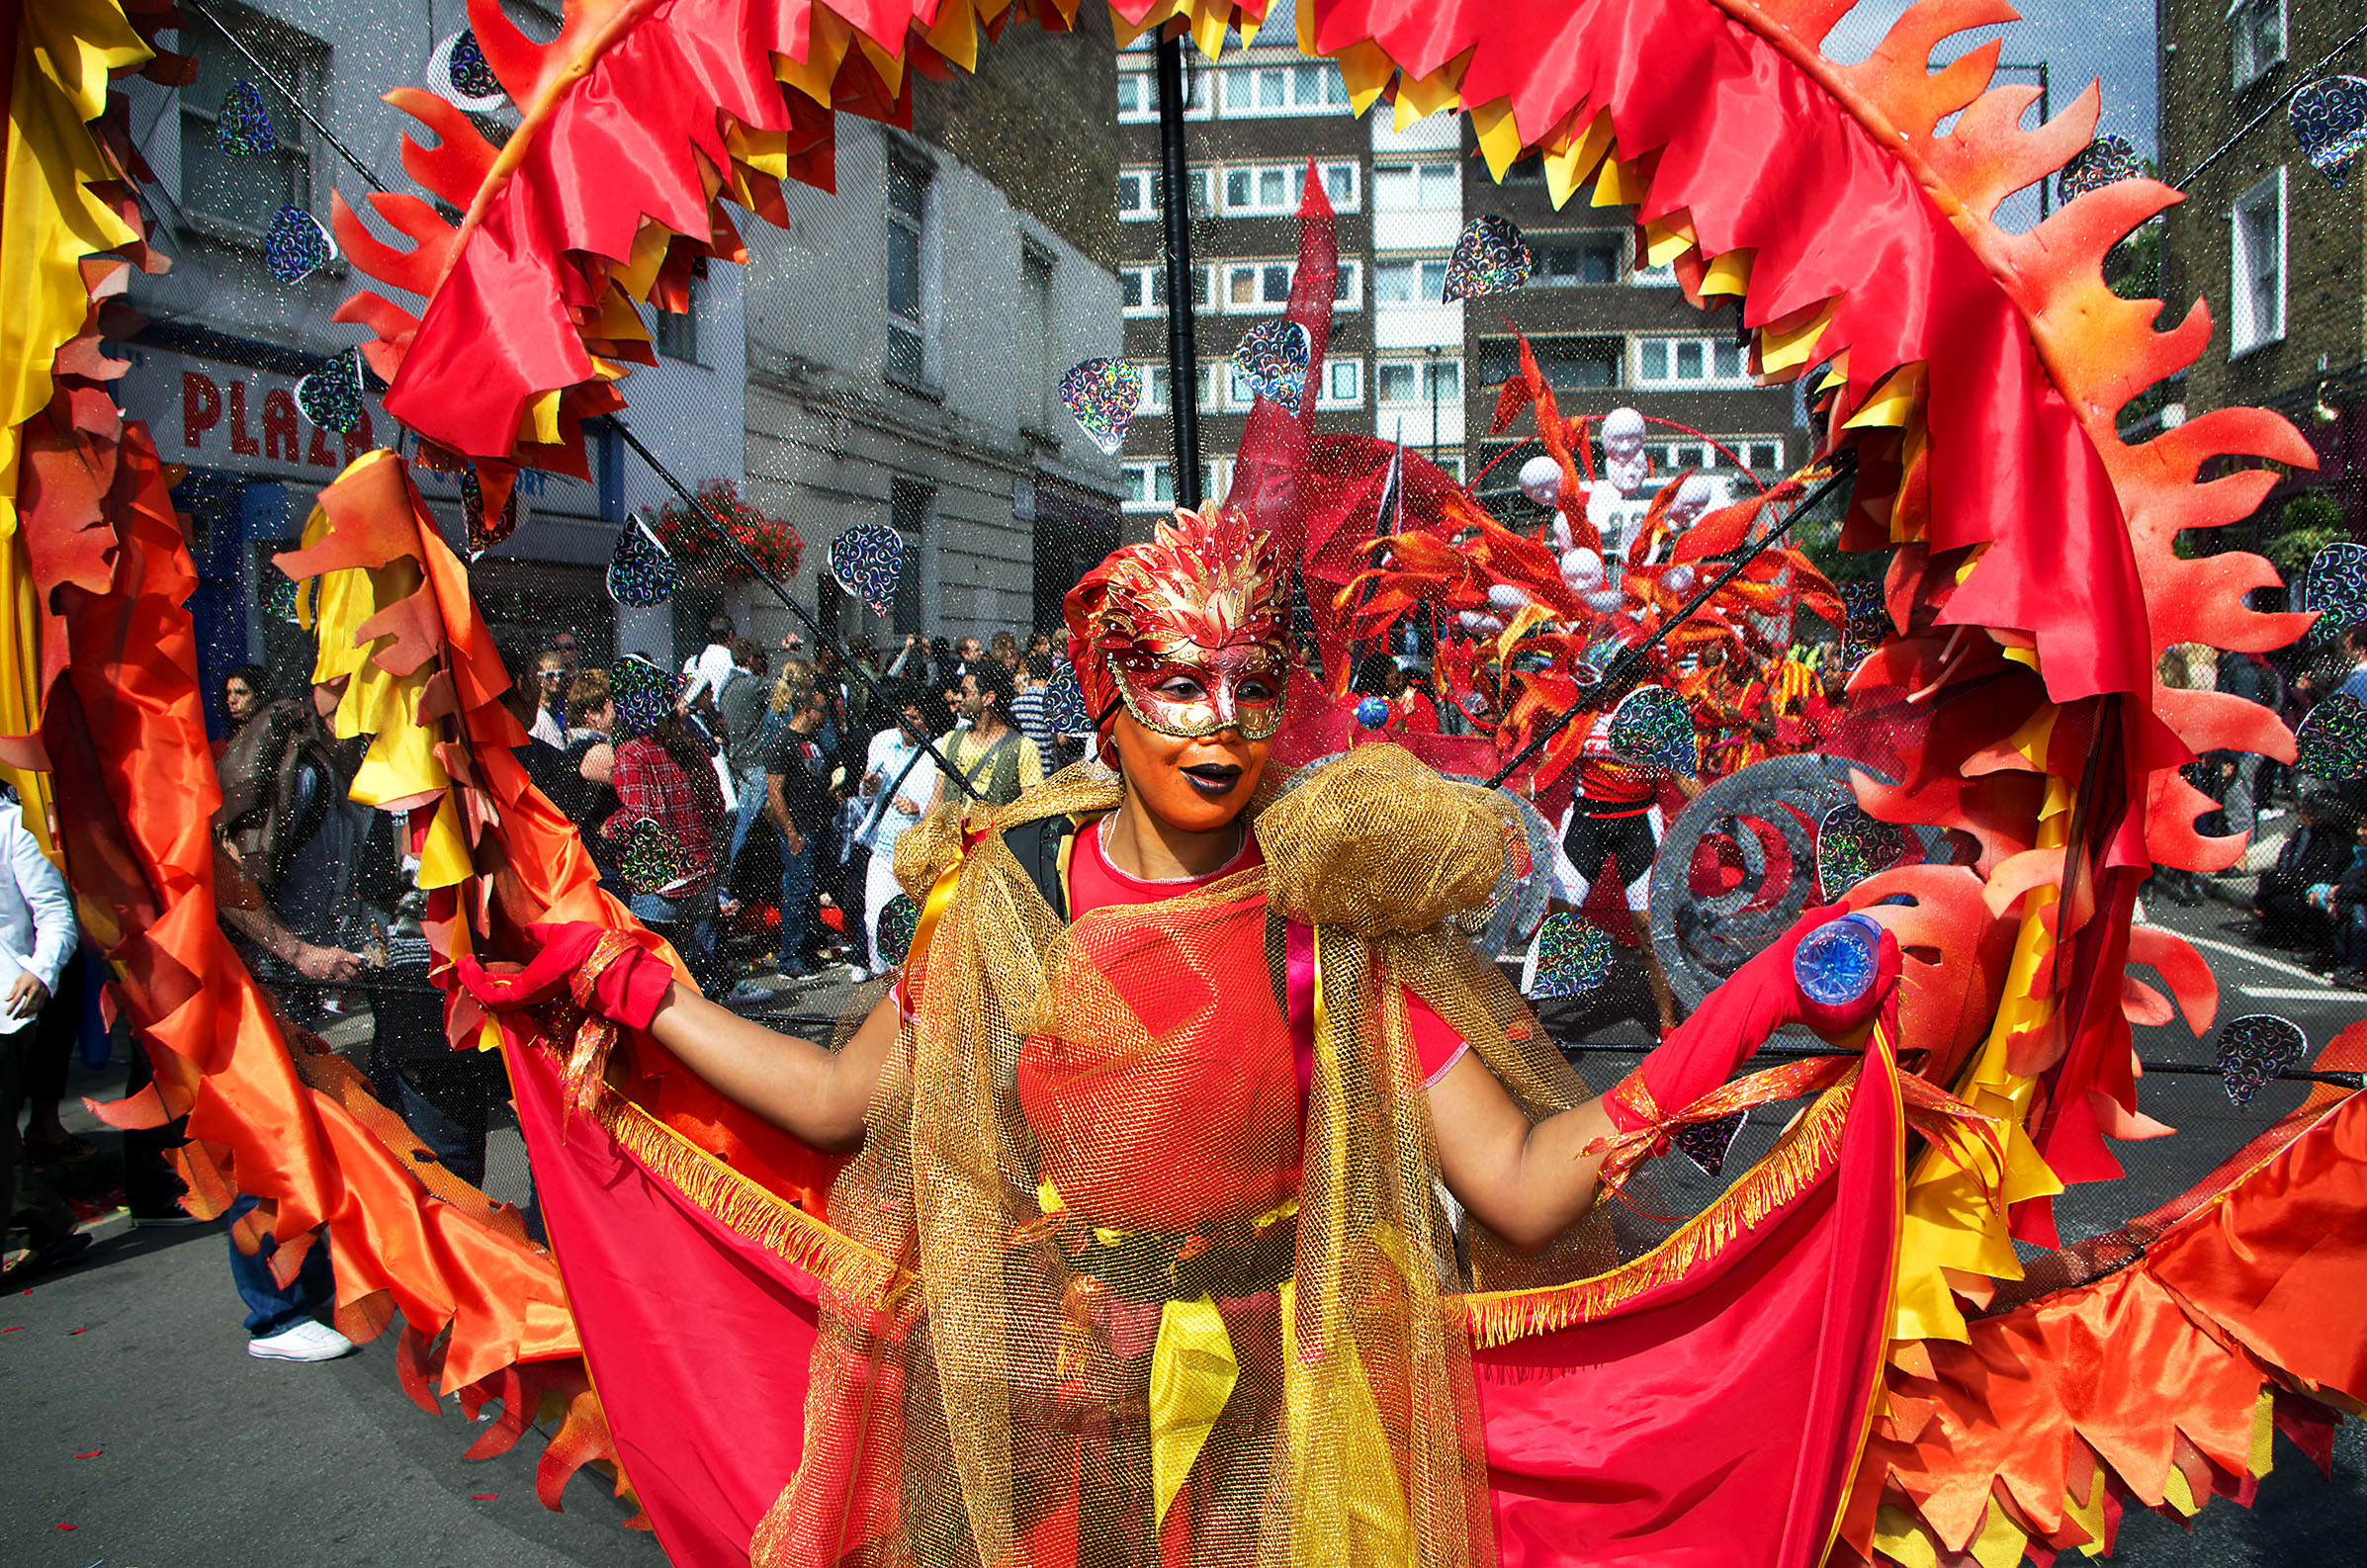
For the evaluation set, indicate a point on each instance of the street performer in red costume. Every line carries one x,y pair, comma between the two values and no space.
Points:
1154,1129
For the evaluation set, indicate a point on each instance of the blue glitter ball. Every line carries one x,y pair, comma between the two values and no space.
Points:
1372,712
241,127
1834,964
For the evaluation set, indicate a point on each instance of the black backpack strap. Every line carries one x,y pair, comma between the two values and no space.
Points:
1036,847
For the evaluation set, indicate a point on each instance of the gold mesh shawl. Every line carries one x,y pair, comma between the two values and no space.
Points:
1244,1385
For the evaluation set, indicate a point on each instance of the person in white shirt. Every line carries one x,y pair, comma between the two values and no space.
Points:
37,933
711,665
899,776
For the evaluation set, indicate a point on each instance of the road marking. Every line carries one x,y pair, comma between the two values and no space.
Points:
2251,957
2284,994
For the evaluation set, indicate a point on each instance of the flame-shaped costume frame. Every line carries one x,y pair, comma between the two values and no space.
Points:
1979,375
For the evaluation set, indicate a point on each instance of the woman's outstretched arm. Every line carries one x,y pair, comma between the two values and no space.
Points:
815,1095
1526,1182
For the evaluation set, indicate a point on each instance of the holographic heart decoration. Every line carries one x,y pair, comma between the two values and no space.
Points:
1272,358
1102,394
2254,1049
241,126
1708,1143
642,573
1653,728
898,918
275,595
483,535
1867,620
297,245
866,560
2333,741
457,72
2103,161
1490,258
645,694
1571,956
1064,701
1852,846
331,397
653,857
2329,119
2335,587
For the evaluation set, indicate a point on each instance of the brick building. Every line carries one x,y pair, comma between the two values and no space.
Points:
1401,363
2274,248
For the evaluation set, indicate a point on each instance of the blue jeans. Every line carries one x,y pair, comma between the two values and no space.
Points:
749,782
269,1307
798,932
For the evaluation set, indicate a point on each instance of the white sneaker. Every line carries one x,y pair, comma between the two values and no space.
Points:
308,1339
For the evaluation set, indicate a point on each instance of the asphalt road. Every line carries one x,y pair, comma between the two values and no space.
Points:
133,1415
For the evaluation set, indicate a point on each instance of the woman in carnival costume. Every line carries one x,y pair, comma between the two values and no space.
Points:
1156,1124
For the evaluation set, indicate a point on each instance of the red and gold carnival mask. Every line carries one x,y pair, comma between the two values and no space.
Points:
1189,631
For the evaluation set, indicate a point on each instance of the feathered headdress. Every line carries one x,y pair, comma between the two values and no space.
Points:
1204,581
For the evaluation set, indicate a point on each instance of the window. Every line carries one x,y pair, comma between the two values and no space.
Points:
1142,289
2256,262
1764,457
2256,37
1257,285
1568,261
1276,188
1249,285
1588,363
1149,488
1417,381
1035,368
1138,94
1263,91
248,192
1689,361
678,331
1155,386
1342,385
1139,199
908,503
1529,169
1415,187
1644,276
1417,281
908,303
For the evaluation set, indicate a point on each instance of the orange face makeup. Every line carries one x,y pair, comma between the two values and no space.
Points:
1194,783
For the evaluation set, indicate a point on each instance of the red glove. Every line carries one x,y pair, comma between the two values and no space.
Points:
1735,1020
600,969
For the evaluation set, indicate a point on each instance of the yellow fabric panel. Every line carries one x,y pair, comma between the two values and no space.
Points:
1192,1373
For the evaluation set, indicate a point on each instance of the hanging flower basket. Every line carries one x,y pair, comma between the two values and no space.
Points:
772,543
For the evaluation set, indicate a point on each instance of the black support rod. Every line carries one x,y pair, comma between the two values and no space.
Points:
1174,202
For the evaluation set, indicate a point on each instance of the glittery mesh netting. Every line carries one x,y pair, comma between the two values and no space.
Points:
1145,1326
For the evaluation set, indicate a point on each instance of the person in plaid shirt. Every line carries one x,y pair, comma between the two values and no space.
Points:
663,774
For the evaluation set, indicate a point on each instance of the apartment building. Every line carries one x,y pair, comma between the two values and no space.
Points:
2277,250
1401,363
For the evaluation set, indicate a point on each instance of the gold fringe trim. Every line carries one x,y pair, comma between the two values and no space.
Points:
747,1210
1804,1155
